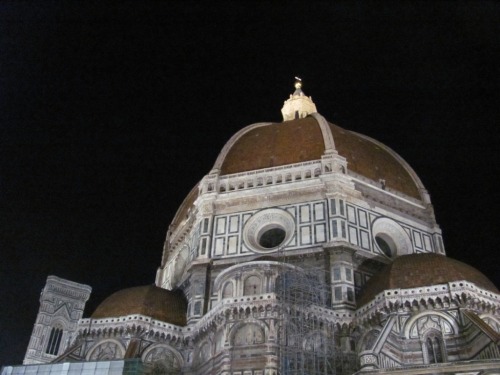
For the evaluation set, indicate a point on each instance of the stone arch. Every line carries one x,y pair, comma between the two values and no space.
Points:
450,326
59,322
252,285
248,332
163,359
106,350
438,302
228,289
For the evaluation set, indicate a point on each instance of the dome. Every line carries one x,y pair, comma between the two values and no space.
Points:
267,145
417,270
148,300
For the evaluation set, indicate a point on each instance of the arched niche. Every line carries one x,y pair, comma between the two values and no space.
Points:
106,350
163,359
248,334
433,347
228,290
252,285
416,326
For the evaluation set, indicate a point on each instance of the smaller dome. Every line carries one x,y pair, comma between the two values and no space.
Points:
148,300
417,270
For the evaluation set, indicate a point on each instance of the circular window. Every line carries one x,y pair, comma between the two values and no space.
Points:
390,238
272,237
269,229
386,244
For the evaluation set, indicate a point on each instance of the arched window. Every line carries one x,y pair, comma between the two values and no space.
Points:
438,350
386,244
228,290
433,346
54,341
430,351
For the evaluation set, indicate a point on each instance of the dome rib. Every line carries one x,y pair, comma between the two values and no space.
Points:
267,145
326,131
274,145
229,144
374,160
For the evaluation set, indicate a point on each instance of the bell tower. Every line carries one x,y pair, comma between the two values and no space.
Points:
61,306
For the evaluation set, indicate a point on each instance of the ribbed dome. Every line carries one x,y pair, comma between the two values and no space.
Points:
417,270
149,300
274,144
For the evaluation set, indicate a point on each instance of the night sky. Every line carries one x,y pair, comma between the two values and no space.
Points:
110,114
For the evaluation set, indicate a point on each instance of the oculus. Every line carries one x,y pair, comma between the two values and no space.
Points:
268,230
386,244
391,238
272,237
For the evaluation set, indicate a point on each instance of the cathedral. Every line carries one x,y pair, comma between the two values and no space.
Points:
306,249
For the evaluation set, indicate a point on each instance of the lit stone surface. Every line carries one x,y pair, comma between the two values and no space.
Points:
272,251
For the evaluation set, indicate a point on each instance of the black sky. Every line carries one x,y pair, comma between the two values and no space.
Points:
109,114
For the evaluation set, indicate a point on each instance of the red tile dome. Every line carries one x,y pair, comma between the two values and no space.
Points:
149,300
418,270
267,145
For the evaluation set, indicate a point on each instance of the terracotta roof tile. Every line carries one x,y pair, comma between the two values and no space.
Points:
301,140
149,300
417,270
274,145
